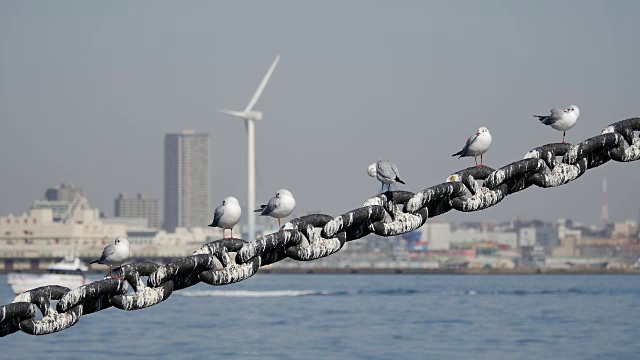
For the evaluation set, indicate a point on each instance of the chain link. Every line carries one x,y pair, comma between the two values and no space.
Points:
299,240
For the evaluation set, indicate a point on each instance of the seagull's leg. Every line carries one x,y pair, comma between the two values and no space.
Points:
382,190
231,233
475,157
279,226
111,271
564,133
481,161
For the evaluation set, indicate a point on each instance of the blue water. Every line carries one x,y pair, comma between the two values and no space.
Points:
315,316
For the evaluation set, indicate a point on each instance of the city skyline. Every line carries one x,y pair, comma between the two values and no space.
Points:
88,91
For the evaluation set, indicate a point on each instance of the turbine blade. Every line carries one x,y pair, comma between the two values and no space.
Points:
232,112
262,85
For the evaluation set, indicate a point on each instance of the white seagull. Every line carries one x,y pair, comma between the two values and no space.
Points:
227,215
115,254
279,207
386,172
561,120
477,144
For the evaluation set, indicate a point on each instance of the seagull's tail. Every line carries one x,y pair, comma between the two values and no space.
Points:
261,208
458,153
400,181
539,117
95,261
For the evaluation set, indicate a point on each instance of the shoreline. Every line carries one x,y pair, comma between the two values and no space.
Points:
322,270
520,271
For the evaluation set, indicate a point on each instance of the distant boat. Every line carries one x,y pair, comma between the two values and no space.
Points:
69,272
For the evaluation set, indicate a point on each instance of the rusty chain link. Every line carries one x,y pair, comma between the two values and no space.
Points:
299,240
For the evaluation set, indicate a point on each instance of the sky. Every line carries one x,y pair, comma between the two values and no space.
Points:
88,90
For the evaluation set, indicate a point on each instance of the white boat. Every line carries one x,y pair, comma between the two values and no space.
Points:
69,272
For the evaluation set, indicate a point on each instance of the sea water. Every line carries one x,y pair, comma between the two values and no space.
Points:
357,316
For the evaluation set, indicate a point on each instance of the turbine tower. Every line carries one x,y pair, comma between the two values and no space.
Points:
249,115
604,211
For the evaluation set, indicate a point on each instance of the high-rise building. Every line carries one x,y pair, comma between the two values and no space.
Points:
64,192
187,199
138,207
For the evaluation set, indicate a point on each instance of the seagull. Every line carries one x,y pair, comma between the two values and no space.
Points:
279,207
385,171
115,254
477,144
227,215
561,120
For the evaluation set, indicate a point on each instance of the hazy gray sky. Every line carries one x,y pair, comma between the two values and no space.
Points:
89,89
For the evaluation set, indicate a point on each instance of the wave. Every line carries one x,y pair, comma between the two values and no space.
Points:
394,292
569,291
251,293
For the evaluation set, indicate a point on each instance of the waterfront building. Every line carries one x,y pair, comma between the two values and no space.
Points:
31,241
545,236
28,240
436,235
63,210
461,237
138,207
64,192
128,222
187,197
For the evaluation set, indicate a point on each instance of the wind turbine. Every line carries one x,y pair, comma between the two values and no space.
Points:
249,115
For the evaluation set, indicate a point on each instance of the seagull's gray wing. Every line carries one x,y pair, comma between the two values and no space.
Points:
465,149
556,115
385,169
273,204
471,140
394,168
108,251
217,214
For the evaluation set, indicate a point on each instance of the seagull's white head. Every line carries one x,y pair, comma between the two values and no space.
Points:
230,200
283,192
481,130
121,240
573,109
371,170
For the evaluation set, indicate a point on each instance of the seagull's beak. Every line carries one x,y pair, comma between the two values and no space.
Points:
210,225
478,133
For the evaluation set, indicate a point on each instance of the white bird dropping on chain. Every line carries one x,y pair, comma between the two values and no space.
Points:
477,144
279,206
115,254
386,172
561,120
227,215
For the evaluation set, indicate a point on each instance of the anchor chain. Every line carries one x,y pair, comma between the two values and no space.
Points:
315,236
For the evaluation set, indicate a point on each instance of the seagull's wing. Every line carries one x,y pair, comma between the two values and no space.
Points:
473,138
556,115
465,150
394,168
273,204
217,214
384,168
108,251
